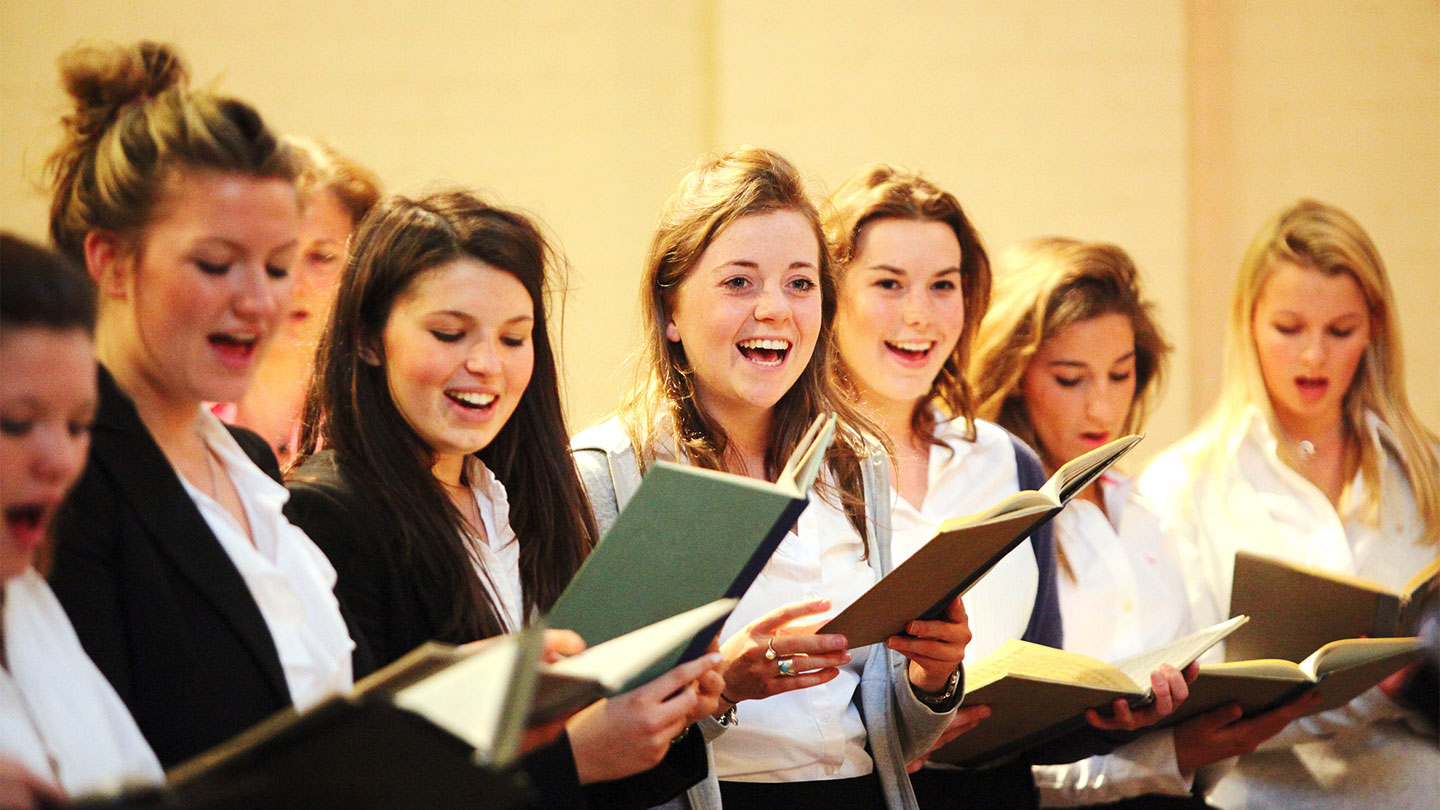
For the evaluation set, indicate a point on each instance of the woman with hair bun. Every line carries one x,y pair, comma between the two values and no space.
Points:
1313,455
337,192
204,607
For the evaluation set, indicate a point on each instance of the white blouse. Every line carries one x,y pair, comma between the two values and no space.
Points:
59,717
290,579
1371,751
1127,595
964,478
497,558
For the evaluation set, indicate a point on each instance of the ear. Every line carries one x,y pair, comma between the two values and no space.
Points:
109,261
672,333
368,354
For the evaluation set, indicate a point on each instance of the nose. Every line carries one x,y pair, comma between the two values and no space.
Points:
483,359
1313,352
259,296
915,309
59,455
1099,404
772,305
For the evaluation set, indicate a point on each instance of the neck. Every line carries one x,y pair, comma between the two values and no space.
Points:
895,417
1323,430
748,436
448,470
171,420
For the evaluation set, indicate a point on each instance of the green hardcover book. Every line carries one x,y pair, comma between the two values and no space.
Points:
689,536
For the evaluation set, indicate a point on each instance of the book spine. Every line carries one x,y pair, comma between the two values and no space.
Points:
1388,614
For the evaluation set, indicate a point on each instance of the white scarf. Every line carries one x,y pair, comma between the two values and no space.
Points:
85,729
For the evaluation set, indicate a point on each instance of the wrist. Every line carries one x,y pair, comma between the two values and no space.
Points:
939,697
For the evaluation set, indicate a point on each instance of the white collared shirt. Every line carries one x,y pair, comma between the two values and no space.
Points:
1365,752
59,717
965,478
497,558
1127,596
291,580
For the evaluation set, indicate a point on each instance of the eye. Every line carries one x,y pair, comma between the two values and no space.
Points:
447,337
735,283
15,427
1120,377
943,284
323,258
515,342
1342,333
1287,329
803,284
78,429
276,272
1067,382
212,268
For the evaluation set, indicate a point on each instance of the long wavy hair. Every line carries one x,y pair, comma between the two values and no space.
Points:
1042,287
349,408
717,191
883,191
1319,237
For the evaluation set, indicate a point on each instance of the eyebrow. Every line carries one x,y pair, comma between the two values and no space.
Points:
468,318
1130,355
751,264
900,271
1290,313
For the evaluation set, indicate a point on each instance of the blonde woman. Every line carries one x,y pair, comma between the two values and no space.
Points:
1313,455
738,304
914,283
1070,357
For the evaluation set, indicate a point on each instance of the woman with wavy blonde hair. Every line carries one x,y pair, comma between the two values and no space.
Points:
1313,455
1070,357
738,302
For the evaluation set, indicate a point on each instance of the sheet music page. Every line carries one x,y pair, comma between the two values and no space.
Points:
1178,653
1036,661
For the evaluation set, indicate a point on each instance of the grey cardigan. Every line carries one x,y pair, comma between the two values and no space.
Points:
900,727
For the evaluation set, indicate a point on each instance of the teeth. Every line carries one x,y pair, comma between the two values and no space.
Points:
912,345
477,400
764,343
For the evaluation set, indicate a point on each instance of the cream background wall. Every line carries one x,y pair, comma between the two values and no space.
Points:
1172,128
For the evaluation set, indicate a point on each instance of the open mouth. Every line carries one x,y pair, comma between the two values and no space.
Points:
911,351
234,349
764,351
26,521
473,400
1312,388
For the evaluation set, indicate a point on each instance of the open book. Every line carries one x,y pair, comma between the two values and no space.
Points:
1037,694
438,728
963,550
689,536
1339,671
1297,609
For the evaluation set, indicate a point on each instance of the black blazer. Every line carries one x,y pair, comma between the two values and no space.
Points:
155,600
395,612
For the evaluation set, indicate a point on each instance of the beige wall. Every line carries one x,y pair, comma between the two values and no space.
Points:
1172,128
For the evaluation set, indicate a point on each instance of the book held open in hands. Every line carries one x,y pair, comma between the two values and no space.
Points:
964,550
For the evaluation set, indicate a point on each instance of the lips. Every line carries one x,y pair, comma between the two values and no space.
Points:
764,351
911,353
1095,438
26,523
477,403
1311,388
235,351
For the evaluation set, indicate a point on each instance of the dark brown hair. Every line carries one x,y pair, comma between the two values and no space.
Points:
349,409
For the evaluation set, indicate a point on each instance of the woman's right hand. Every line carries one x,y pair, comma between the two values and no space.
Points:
1223,733
966,719
630,733
20,789
751,675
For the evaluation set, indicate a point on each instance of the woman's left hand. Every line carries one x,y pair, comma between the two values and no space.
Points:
1170,687
935,648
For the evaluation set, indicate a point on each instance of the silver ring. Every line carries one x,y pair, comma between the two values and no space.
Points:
770,654
787,667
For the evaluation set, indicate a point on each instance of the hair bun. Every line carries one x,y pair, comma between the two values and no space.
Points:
103,78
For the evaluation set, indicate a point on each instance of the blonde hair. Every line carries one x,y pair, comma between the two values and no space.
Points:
1043,287
716,191
134,121
1320,237
883,191
323,168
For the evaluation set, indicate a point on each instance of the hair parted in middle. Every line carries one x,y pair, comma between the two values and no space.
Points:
718,190
884,191
349,408
1043,286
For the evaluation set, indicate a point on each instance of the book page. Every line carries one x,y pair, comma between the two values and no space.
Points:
1424,578
1178,653
1352,652
1081,471
615,662
468,699
1017,657
805,461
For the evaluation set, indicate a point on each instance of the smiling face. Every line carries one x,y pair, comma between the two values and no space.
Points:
1311,330
1079,386
459,354
324,233
47,402
192,309
901,310
748,314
